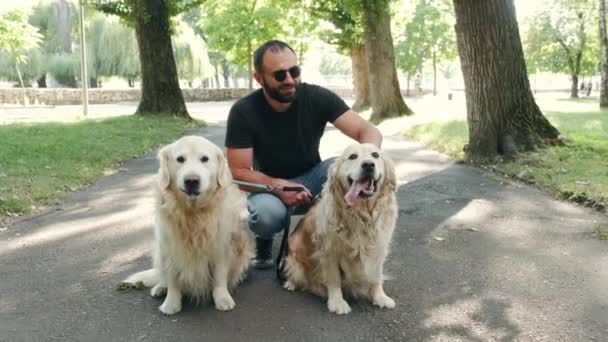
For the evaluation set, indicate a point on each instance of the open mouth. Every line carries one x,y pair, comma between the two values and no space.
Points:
360,189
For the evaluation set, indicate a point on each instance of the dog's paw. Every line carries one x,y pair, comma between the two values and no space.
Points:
158,291
170,307
384,301
339,306
223,300
289,286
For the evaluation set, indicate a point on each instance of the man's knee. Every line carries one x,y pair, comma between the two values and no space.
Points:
267,215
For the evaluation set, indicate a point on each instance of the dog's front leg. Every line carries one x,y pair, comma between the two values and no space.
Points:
222,298
335,300
377,294
173,301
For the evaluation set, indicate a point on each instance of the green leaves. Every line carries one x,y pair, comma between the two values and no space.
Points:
17,36
558,34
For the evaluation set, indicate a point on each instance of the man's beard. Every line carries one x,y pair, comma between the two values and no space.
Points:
275,93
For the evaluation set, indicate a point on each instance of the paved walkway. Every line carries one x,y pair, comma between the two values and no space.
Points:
474,258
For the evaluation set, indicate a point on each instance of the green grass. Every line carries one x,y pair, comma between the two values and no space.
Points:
601,233
40,163
577,171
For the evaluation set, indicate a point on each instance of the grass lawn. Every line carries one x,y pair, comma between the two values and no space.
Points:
40,163
578,171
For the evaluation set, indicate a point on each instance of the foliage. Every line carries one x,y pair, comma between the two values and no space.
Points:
130,9
558,33
428,32
64,68
334,65
345,17
33,68
111,48
191,55
17,37
238,27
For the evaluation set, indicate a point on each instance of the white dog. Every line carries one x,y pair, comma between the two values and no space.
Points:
202,244
343,241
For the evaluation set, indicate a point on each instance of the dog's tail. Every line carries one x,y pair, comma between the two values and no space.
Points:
147,278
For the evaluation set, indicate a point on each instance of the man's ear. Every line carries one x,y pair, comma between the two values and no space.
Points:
224,177
258,78
164,176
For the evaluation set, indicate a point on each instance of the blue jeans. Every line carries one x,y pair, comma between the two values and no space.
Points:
268,215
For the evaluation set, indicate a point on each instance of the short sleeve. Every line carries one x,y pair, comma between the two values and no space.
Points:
333,106
238,132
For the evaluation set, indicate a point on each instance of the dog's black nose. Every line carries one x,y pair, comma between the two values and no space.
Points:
368,166
192,183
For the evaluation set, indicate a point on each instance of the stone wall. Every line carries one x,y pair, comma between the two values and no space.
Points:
67,96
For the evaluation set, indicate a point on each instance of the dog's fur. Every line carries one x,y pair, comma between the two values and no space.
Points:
340,245
202,244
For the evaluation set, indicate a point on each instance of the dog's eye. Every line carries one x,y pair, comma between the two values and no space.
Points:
352,156
204,159
375,154
181,159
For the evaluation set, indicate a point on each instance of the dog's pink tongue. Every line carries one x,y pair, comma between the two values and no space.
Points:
352,196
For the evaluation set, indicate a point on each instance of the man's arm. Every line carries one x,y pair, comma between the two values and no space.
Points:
240,162
357,128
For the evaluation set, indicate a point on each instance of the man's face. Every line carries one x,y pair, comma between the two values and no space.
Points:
282,91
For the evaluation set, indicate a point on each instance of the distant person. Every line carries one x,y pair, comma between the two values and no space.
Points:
589,86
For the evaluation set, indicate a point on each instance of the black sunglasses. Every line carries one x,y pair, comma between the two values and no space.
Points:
280,75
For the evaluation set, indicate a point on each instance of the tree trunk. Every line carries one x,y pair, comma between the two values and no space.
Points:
160,86
21,83
604,61
407,90
41,81
574,86
502,115
360,77
434,73
385,93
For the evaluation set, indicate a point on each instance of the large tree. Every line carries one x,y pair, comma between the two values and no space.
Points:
502,114
385,92
604,55
161,92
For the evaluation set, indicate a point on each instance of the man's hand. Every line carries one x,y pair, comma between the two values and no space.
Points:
293,198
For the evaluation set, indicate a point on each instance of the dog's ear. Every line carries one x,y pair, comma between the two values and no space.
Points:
389,170
224,177
332,176
164,176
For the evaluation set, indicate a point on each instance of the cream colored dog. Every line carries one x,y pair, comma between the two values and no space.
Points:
202,242
343,241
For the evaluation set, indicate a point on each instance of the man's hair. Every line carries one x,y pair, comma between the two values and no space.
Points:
272,45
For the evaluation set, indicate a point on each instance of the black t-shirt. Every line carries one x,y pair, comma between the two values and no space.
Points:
285,144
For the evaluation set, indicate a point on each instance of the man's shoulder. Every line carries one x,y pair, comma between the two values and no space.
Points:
247,102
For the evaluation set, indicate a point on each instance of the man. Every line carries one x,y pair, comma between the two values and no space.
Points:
273,138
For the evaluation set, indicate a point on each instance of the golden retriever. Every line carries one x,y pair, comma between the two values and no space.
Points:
342,242
203,245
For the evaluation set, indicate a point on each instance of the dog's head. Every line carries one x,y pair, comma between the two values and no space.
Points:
363,172
193,168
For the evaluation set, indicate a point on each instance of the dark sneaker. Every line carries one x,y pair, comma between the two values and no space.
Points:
263,255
